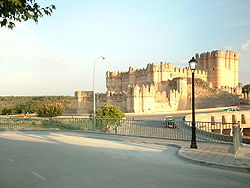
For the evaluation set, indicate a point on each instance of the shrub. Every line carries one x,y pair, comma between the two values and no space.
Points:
8,111
246,88
112,113
109,111
50,109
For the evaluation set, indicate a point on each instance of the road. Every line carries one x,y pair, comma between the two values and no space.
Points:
162,116
180,115
46,159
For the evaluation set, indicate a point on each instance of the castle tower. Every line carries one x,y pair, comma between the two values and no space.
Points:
221,66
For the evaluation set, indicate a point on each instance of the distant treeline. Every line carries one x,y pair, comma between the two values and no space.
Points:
29,104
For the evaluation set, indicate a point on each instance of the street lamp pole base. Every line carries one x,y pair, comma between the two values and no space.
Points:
193,141
193,146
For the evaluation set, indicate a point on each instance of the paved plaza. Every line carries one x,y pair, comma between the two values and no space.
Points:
78,159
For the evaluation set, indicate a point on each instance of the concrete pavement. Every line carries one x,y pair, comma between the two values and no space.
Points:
208,154
80,159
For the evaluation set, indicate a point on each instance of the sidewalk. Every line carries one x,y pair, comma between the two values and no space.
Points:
217,155
208,154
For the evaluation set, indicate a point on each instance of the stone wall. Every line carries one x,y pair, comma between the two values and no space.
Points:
245,96
162,87
227,117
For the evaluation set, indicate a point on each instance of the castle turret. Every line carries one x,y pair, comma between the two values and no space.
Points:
221,66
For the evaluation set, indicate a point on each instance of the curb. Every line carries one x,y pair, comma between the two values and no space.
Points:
183,156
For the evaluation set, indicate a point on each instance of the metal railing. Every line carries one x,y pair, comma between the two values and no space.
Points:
179,130
213,131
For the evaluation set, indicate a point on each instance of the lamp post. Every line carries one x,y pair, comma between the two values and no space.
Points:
192,66
94,105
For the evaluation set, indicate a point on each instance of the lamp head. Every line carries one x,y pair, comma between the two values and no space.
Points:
192,64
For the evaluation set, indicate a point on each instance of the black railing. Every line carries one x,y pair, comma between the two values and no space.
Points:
179,130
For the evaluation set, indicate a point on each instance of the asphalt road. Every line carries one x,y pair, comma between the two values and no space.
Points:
176,115
162,116
154,117
51,160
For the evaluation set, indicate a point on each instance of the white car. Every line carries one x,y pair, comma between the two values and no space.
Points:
169,121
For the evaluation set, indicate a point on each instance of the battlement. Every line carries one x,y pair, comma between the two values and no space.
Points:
174,94
162,86
151,67
218,54
83,94
233,90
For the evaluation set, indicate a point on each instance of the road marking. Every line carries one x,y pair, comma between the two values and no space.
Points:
38,175
12,160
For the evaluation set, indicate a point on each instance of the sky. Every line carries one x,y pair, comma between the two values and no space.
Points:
57,55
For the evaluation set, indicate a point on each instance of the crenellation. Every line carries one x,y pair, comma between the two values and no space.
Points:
162,86
203,56
231,54
236,56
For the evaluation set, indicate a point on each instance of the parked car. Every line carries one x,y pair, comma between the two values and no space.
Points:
169,122
231,109
228,110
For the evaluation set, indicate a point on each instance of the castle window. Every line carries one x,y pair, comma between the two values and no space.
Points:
148,89
213,68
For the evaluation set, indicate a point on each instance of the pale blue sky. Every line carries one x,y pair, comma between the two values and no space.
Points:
56,56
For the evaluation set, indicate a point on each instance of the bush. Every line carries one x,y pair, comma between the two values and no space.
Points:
110,111
50,109
22,108
8,111
246,88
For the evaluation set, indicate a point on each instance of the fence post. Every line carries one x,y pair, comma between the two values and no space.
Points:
236,138
94,124
243,119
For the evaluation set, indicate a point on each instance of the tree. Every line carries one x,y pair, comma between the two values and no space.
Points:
111,118
110,111
51,109
21,10
246,88
8,111
28,107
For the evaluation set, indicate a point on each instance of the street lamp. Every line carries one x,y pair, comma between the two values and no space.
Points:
94,105
192,65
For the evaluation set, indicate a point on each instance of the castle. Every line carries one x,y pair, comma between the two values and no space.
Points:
162,87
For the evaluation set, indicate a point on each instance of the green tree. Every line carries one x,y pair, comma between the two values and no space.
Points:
19,108
8,111
51,109
28,107
246,88
109,111
21,10
111,118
